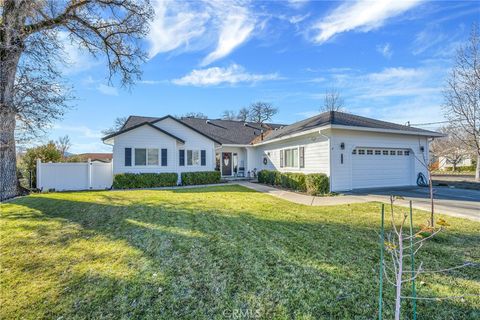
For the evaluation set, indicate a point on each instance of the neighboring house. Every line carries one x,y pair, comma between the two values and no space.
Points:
445,164
355,152
94,157
100,157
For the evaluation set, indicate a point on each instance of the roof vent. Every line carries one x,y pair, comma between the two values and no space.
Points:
207,121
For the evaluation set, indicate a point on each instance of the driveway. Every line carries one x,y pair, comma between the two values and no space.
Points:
455,202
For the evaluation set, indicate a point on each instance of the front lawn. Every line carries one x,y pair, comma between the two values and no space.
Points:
211,253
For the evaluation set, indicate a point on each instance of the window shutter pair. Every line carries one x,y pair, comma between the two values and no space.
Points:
281,158
181,157
302,157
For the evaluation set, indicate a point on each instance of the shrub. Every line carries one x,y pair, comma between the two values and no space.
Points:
144,180
289,180
317,184
200,177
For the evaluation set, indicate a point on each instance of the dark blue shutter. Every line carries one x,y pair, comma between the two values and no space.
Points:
181,157
164,157
128,157
203,157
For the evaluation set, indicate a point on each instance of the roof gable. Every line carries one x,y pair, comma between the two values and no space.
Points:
149,124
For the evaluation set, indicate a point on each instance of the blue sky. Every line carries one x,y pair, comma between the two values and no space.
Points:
388,59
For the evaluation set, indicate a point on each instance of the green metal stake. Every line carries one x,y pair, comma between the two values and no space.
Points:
412,258
382,244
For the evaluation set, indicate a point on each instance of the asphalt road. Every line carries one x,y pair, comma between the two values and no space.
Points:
455,202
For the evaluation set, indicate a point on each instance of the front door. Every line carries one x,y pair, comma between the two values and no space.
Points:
226,164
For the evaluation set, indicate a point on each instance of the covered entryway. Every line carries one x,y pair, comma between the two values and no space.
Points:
382,167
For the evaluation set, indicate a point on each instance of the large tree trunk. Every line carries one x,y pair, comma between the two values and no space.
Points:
8,165
11,48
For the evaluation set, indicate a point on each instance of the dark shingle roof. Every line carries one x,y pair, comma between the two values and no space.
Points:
222,131
344,119
239,132
229,131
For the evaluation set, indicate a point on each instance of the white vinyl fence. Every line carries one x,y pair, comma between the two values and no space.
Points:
74,175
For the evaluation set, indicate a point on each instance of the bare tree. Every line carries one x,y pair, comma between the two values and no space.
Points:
117,125
404,243
332,101
31,91
243,114
451,147
229,115
63,144
261,111
462,94
198,115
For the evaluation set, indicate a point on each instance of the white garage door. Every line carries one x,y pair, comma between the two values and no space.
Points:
381,167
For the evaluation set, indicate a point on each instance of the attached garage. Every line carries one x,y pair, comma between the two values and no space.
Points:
382,167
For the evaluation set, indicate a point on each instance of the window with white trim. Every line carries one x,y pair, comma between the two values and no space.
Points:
193,157
291,158
146,157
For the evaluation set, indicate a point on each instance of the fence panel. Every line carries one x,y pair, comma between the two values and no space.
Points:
74,176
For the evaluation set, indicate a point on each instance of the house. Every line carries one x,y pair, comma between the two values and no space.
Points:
95,157
445,164
355,152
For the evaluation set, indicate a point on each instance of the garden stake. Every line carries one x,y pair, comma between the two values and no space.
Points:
381,264
412,258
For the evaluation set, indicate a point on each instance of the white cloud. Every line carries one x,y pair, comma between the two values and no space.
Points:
216,75
193,26
175,25
385,50
308,114
107,90
361,15
236,28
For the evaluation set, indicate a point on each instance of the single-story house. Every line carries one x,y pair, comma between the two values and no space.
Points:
355,152
95,156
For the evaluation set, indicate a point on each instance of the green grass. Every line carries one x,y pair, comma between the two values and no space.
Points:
204,253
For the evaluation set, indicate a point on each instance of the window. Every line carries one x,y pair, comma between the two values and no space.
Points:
399,153
291,158
369,152
392,152
406,153
361,152
378,152
152,157
282,156
302,157
140,157
354,151
193,157
385,152
145,157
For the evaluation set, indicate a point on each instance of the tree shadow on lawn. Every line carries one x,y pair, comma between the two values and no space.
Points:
186,259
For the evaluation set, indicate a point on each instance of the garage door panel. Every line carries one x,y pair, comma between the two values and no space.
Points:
374,170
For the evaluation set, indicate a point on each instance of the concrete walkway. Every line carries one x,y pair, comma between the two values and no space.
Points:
458,205
302,198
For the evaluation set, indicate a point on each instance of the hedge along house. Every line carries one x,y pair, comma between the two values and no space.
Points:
355,152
